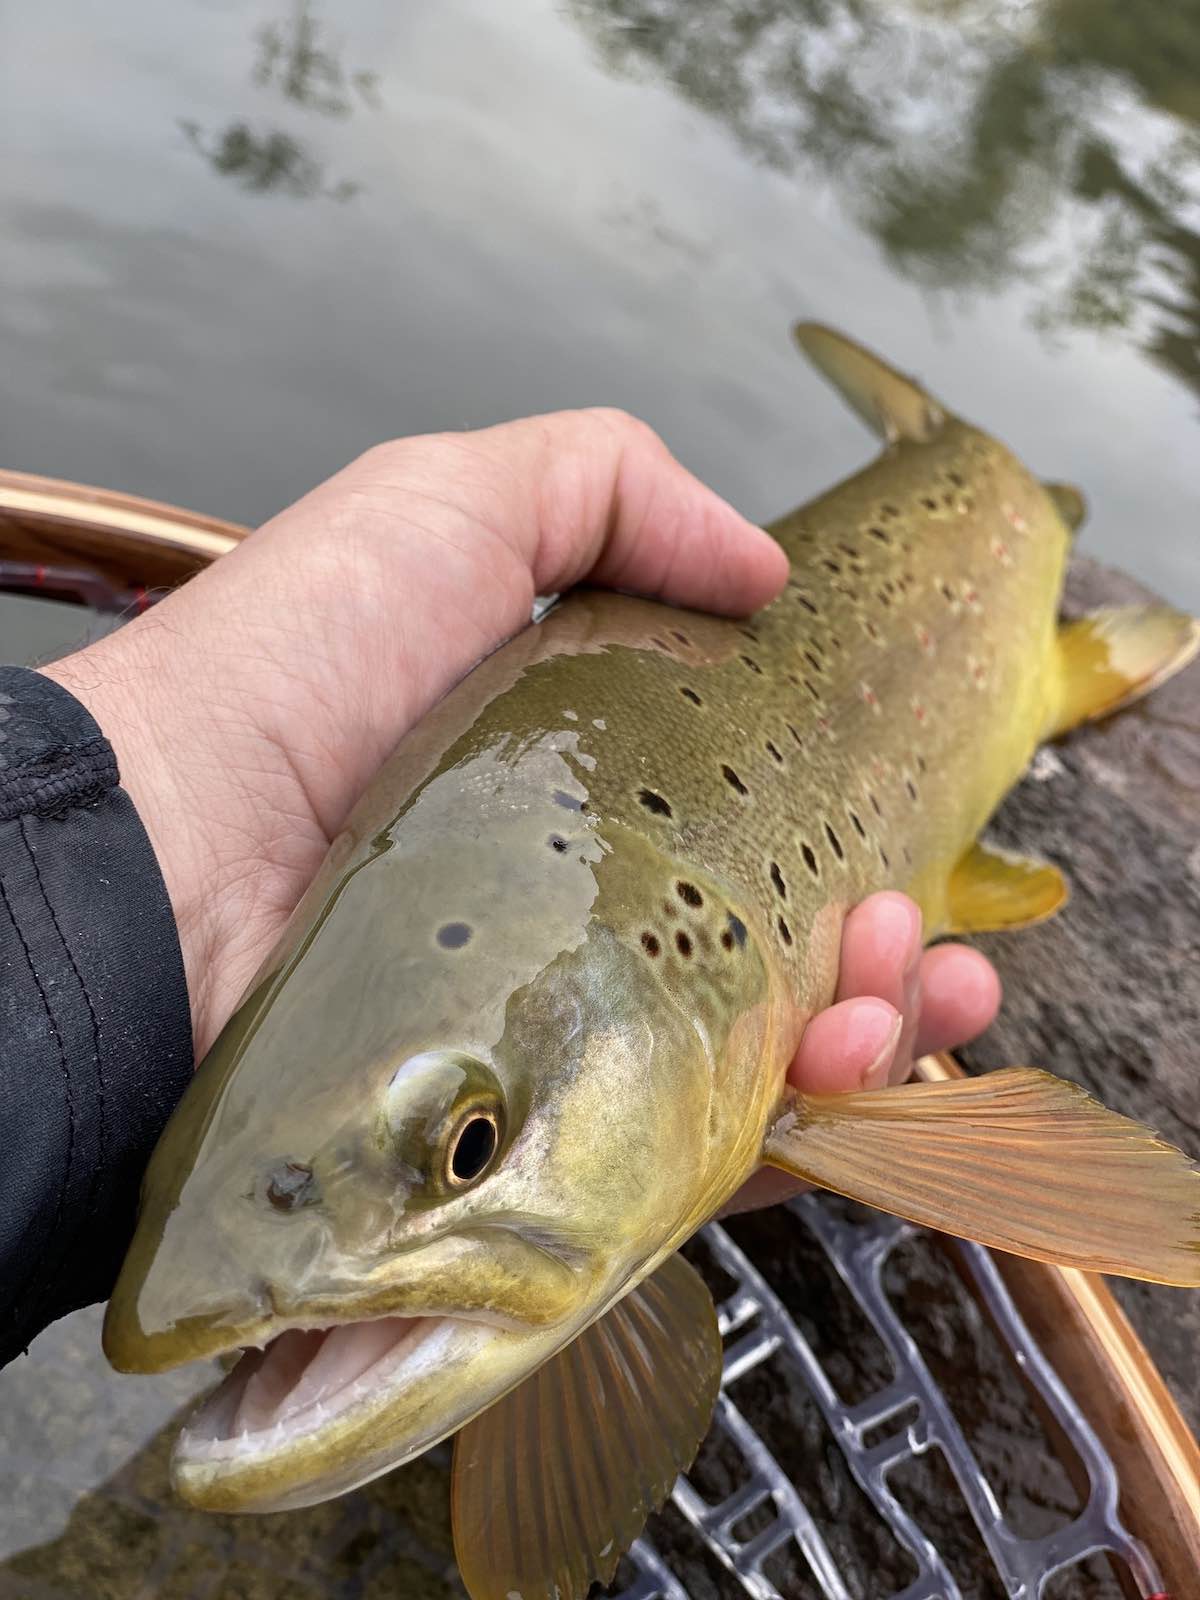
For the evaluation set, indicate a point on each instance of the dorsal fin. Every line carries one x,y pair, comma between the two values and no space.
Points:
893,406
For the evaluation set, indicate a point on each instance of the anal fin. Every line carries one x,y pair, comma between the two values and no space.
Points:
1112,657
991,889
555,1481
1018,1159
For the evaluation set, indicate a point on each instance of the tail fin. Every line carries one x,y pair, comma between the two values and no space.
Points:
1112,657
892,406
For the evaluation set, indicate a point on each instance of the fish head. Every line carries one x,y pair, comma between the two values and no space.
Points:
448,1125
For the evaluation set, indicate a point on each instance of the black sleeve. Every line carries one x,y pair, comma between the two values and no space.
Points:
95,1029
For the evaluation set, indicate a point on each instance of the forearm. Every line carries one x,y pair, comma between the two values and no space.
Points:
95,1039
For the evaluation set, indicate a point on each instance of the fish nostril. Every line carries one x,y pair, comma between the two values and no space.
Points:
291,1185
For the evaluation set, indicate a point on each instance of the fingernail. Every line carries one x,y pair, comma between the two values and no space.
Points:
875,1075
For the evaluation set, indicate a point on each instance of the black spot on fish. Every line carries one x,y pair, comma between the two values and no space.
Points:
810,859
732,779
860,830
774,752
690,694
911,787
813,690
875,805
813,662
749,661
569,801
453,935
683,944
956,478
929,502
831,566
881,534
785,933
650,944
808,605
777,880
835,843
689,894
557,842
682,637
737,931
883,856
655,802
748,633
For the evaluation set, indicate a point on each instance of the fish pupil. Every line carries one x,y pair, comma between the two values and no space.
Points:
474,1148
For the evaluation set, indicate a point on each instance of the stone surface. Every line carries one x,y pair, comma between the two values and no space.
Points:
1108,991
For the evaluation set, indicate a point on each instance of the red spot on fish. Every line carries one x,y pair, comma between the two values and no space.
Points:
1014,517
919,711
1001,552
869,696
924,639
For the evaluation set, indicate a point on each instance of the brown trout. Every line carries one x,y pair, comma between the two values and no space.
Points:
529,1028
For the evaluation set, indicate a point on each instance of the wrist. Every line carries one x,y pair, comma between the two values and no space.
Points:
121,681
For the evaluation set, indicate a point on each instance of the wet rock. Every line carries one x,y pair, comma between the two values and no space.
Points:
1108,992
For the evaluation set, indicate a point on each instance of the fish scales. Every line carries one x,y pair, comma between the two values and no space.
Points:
530,1025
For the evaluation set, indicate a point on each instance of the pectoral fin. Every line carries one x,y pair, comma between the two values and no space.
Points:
1112,657
891,405
1019,1160
555,1481
991,888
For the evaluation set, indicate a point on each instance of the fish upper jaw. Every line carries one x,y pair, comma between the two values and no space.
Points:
166,1311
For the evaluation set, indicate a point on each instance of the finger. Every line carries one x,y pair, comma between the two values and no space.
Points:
605,499
847,1046
766,1186
881,954
960,995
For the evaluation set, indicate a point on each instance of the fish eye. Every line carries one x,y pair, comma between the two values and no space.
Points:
445,1117
472,1146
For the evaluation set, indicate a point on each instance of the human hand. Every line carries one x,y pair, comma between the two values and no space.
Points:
251,708
894,1002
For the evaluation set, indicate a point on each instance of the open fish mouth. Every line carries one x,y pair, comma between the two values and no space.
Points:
303,1379
304,1417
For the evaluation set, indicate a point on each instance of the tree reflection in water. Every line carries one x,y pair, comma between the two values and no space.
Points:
1054,141
294,62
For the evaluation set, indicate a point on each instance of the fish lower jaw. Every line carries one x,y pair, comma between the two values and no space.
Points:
271,1436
